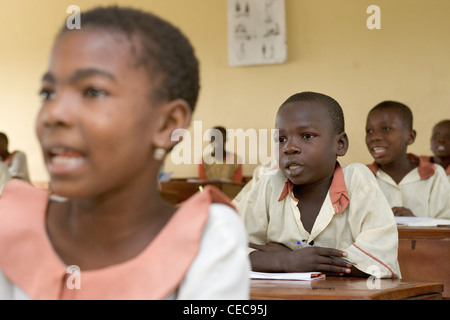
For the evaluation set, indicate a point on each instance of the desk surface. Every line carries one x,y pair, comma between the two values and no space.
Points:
340,288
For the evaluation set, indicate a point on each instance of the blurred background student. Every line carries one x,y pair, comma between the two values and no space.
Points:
16,161
4,175
440,145
220,164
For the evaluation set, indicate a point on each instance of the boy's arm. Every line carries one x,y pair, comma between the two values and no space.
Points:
275,257
374,229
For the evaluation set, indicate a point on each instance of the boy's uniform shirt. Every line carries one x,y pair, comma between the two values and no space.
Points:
425,190
257,174
355,217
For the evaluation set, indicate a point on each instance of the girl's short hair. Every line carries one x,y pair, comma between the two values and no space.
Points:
164,50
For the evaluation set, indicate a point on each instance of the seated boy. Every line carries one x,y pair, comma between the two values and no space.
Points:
312,201
412,185
440,145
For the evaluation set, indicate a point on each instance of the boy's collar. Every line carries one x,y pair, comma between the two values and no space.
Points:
338,190
426,167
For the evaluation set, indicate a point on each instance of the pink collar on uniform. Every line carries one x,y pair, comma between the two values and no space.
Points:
28,259
426,167
338,191
430,159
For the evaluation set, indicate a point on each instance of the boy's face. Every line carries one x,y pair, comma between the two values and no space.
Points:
307,144
386,136
95,123
440,140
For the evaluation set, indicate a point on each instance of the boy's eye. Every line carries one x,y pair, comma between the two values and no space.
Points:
307,136
95,93
280,139
384,129
369,131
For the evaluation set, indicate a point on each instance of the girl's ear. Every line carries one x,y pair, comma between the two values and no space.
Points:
342,144
173,115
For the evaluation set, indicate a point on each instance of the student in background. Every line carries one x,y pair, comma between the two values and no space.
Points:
440,145
311,211
412,185
4,175
115,90
16,160
218,163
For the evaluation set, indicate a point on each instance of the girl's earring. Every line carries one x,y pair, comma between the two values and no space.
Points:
159,154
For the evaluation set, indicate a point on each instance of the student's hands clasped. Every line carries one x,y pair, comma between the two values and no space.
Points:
308,259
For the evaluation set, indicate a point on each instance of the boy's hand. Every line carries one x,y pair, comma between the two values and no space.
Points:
320,259
402,212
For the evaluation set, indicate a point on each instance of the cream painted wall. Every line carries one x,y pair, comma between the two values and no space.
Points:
330,50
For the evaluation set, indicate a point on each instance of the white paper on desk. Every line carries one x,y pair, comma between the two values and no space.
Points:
421,221
287,275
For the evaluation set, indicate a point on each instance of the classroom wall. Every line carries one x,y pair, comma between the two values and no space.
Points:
330,50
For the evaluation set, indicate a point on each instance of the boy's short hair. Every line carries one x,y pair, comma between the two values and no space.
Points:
332,107
165,51
442,122
403,111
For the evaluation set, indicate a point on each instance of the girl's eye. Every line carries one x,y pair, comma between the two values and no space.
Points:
95,93
46,94
369,131
385,129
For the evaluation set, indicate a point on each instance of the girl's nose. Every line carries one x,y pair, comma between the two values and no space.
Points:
56,112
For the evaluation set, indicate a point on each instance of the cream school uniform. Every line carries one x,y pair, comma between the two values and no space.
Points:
201,253
424,190
257,174
4,175
355,217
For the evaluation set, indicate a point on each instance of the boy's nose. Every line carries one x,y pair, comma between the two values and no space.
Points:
375,136
292,148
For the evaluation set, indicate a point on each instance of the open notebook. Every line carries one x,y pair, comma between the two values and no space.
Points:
421,221
287,275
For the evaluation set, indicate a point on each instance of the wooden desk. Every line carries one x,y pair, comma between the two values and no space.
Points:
340,288
424,254
185,188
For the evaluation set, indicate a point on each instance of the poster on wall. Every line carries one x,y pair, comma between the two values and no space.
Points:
256,32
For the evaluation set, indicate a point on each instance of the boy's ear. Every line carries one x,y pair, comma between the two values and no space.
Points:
411,137
342,144
173,115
